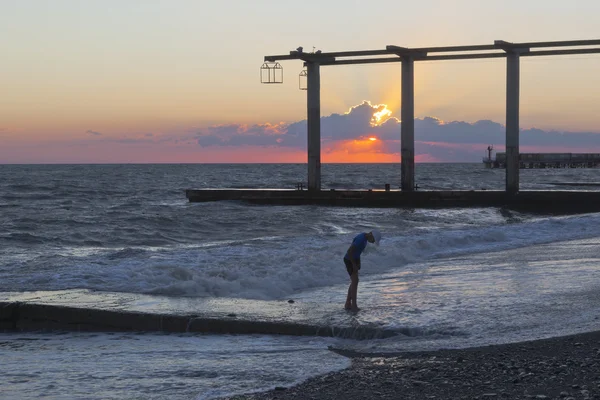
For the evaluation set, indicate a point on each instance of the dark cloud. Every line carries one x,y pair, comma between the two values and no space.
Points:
241,135
354,124
142,138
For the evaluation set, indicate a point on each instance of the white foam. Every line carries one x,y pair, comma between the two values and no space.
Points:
480,299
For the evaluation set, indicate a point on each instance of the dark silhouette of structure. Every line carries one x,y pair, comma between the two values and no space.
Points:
407,57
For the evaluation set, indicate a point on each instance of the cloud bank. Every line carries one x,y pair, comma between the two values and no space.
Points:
365,133
434,139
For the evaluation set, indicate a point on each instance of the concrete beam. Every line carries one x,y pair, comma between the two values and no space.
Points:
396,49
563,43
405,52
313,100
364,61
455,48
295,55
407,126
565,52
472,56
312,57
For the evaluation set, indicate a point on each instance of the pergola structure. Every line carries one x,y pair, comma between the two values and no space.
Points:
407,57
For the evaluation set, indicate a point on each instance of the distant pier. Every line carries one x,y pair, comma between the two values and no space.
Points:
527,201
547,160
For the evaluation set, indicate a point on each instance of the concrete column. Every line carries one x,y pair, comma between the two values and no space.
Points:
512,122
313,99
407,127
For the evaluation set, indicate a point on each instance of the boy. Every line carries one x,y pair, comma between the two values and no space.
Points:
352,261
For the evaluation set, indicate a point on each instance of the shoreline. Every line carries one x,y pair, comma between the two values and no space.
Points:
566,367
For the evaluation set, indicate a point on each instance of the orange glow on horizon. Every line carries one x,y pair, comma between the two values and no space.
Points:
343,157
363,150
363,144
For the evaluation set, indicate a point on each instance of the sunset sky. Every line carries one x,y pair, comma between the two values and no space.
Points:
177,81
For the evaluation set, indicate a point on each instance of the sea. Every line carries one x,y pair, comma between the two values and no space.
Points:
440,278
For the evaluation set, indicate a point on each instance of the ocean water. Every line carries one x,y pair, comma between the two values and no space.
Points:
441,278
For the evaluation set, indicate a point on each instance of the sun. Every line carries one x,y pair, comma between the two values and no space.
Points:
380,116
372,139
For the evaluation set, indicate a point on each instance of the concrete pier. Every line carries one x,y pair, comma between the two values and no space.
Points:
407,56
82,310
529,201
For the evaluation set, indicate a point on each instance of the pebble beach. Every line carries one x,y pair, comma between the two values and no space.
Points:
557,368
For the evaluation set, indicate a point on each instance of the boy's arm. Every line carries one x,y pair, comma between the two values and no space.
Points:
350,252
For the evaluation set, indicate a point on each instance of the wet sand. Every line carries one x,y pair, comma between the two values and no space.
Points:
557,368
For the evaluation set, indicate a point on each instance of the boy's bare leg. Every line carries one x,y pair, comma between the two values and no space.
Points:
354,290
348,304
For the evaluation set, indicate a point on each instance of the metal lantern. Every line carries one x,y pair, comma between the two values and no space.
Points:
271,72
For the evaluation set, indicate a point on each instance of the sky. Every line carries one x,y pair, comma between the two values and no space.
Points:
178,81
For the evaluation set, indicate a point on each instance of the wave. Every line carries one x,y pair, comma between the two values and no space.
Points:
25,238
277,267
28,196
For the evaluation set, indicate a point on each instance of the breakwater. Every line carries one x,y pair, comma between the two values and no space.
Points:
47,314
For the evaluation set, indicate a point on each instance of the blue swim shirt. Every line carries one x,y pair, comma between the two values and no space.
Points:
359,242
